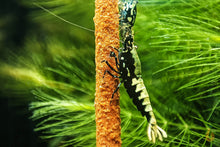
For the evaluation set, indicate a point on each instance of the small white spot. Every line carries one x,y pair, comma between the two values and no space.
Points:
134,82
129,73
148,108
129,19
146,101
122,58
139,87
144,94
123,64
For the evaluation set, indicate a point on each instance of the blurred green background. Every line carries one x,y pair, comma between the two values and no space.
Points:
31,41
47,73
16,127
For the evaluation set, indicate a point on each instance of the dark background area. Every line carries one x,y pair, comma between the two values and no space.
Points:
17,129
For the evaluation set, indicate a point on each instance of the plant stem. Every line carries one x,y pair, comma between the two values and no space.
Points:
108,129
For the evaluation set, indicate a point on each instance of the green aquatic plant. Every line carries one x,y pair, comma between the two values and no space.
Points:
178,45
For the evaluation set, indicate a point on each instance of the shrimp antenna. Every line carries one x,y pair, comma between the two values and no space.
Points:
71,23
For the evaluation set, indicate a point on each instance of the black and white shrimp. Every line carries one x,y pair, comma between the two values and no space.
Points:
129,68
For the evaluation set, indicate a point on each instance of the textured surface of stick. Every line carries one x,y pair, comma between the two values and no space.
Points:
108,129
